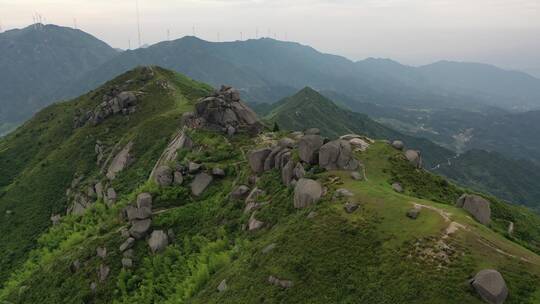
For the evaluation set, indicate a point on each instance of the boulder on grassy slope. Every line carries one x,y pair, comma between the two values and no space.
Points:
337,155
158,241
306,193
120,161
490,286
477,206
414,157
256,159
200,183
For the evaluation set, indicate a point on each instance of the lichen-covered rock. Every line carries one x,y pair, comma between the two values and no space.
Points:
200,183
256,159
490,286
308,148
158,241
337,155
306,193
477,206
414,157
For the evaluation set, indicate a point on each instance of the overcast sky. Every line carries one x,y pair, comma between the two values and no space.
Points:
502,32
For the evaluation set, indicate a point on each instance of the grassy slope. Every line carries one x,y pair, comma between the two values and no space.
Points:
40,159
365,257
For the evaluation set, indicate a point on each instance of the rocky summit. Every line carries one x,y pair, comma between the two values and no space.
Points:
155,188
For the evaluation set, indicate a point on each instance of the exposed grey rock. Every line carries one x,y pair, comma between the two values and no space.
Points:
306,193
337,155
90,192
120,161
349,136
55,219
200,183
240,192
179,142
127,244
171,235
231,130
178,178
343,193
254,195
281,283
299,171
98,187
351,207
127,262
282,158
139,228
101,252
111,196
490,286
194,167
413,213
414,157
93,287
223,110
164,176
269,162
286,142
75,266
397,187
256,159
158,241
477,206
311,215
357,176
218,172
144,200
103,272
398,144
254,224
252,206
312,131
130,253
124,232
287,173
308,148
297,135
222,286
269,248
359,144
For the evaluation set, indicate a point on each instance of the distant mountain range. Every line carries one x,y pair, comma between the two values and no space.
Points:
39,60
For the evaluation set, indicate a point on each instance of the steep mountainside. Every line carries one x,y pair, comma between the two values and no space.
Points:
36,61
142,192
512,180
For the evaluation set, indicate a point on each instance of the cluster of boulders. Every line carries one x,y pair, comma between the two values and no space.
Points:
413,156
224,111
477,206
115,102
251,199
81,196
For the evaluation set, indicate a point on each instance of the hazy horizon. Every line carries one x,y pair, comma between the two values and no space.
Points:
413,32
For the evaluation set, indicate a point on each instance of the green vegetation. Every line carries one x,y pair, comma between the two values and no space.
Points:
374,255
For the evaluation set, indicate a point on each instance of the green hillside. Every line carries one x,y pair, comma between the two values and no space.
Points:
262,250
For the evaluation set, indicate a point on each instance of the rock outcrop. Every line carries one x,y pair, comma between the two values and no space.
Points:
308,148
337,155
120,161
414,157
490,286
224,111
164,176
115,102
180,141
398,144
477,206
158,241
306,193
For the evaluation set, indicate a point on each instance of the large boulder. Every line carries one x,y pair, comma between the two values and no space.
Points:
477,206
256,159
414,157
223,110
287,173
398,144
139,228
337,155
200,183
164,176
308,148
240,192
306,193
144,200
490,286
158,241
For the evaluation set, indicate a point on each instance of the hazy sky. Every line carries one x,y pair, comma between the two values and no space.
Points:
501,32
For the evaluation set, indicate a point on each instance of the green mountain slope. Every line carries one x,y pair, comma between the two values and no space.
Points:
309,109
320,254
37,61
